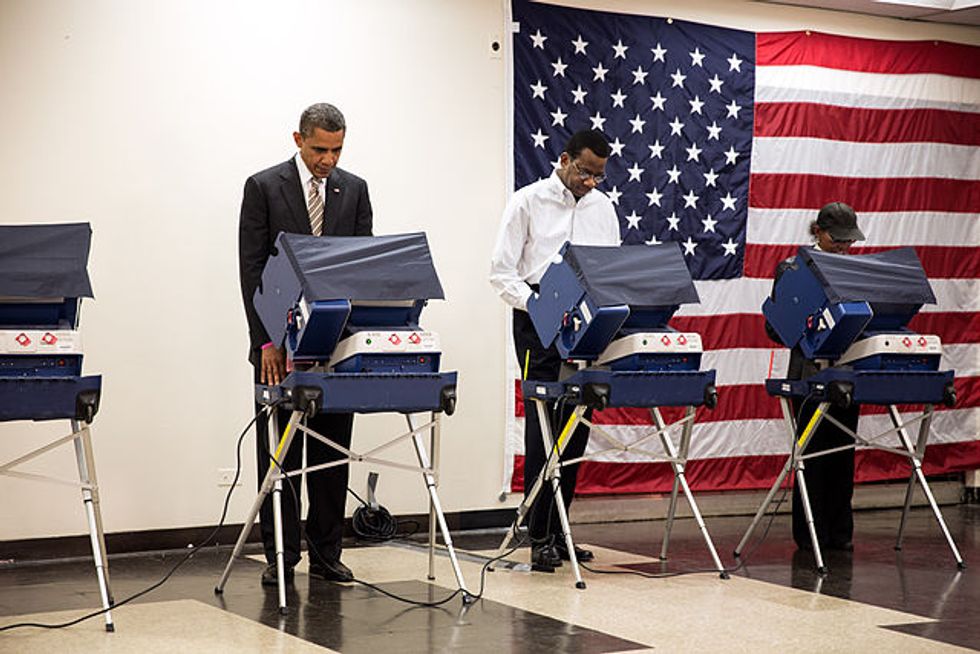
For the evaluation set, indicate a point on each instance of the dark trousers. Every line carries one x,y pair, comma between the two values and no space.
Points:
327,488
544,365
829,478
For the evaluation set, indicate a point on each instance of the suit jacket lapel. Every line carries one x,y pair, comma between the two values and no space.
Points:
335,196
292,192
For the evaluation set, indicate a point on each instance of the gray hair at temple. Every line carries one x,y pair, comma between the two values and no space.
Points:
321,115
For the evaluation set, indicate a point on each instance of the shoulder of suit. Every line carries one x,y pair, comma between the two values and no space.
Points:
275,172
347,177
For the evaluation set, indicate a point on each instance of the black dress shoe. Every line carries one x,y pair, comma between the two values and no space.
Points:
269,577
544,558
580,554
331,571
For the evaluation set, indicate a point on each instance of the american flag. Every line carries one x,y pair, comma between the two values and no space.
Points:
729,142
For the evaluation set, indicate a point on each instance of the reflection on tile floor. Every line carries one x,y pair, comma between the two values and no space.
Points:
875,599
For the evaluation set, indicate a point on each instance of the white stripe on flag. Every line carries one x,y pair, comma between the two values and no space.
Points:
883,229
871,90
811,156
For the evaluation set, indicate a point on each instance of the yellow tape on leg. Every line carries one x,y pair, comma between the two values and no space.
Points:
282,443
560,443
805,436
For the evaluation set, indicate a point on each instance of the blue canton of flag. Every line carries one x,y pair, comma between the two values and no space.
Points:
674,99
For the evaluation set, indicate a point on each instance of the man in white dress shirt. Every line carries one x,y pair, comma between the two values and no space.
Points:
538,220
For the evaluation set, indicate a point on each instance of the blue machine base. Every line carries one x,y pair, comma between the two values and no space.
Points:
45,398
870,387
369,392
629,388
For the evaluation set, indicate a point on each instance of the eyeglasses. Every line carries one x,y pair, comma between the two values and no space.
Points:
584,175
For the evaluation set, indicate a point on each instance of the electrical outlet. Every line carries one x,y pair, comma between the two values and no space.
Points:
496,46
225,477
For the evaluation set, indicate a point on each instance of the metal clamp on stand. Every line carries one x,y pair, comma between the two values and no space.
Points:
41,358
347,310
852,312
613,324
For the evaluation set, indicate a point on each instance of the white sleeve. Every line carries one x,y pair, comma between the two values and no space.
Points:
507,253
614,236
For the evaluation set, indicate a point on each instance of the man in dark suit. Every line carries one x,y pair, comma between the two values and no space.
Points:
307,194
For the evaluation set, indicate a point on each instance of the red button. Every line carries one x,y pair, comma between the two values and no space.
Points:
23,339
682,339
907,342
415,339
394,340
49,339
665,340
922,341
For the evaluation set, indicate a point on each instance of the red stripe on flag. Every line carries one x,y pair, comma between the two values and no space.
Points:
776,191
743,330
951,327
939,261
751,472
728,331
866,55
811,120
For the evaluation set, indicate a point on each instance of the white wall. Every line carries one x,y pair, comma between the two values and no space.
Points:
145,118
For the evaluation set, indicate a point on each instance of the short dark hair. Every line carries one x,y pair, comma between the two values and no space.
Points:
592,139
323,116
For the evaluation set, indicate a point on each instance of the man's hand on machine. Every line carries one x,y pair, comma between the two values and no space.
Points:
273,365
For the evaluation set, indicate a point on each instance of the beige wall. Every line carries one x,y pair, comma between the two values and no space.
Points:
145,118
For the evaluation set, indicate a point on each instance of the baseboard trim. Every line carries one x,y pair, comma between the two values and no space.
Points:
17,552
615,508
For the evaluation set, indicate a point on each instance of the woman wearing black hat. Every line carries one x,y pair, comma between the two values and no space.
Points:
829,478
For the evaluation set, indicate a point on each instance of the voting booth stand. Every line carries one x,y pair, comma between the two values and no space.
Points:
43,278
848,314
606,309
347,310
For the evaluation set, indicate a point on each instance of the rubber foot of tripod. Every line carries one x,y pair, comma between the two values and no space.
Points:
218,591
283,610
735,553
430,577
822,570
491,568
111,628
468,599
961,565
898,548
580,585
724,575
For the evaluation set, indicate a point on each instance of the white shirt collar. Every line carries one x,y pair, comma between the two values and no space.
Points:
305,175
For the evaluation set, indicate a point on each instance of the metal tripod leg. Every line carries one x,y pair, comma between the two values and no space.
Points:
672,509
915,455
798,448
808,512
431,484
790,425
272,480
434,448
910,489
565,527
678,460
546,472
90,498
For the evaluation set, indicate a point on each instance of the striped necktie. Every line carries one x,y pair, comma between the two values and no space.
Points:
314,203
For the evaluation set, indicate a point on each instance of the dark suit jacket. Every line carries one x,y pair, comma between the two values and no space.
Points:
274,202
